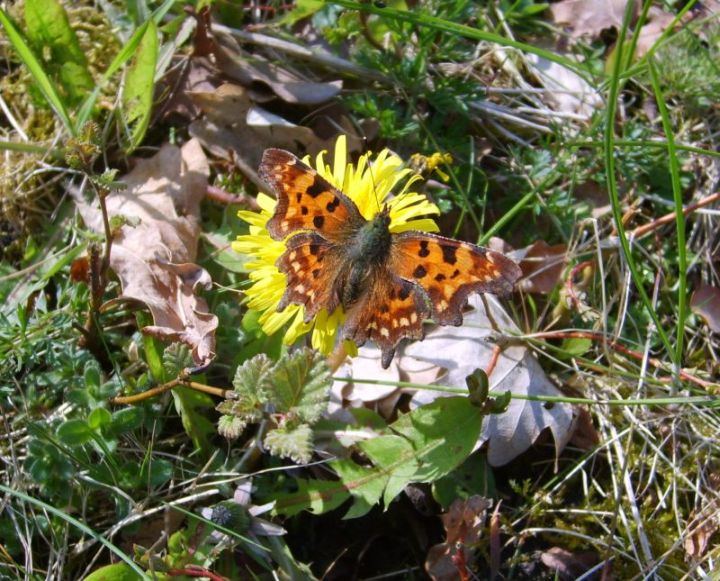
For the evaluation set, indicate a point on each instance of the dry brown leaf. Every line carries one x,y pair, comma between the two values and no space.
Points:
590,17
542,266
449,354
658,20
568,565
705,301
568,92
154,256
463,524
198,74
266,80
584,436
699,534
237,129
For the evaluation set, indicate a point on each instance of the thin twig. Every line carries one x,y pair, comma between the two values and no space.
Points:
160,389
617,346
668,218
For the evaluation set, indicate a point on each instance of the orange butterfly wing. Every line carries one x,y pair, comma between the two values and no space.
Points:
449,270
424,275
305,200
392,309
311,265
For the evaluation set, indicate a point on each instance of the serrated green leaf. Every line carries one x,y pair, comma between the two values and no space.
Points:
421,446
300,384
48,28
137,98
293,442
425,444
231,426
396,459
246,410
74,432
252,379
443,433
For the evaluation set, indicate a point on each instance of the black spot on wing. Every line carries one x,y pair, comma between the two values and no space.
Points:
316,273
455,274
449,253
332,206
440,277
314,249
420,271
318,187
304,211
298,197
318,221
404,292
423,252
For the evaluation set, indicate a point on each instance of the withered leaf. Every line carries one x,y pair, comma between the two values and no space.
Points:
154,253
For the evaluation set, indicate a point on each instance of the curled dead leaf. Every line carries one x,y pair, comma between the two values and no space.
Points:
591,17
542,266
569,565
268,80
463,524
705,301
153,254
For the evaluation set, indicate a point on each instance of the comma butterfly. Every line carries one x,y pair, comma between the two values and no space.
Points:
387,284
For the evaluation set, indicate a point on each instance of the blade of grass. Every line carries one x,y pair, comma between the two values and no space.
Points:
122,57
43,82
22,147
609,152
47,25
679,215
517,208
646,143
711,401
137,98
422,19
640,64
78,525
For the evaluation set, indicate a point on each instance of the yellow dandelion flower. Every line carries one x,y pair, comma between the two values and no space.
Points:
368,184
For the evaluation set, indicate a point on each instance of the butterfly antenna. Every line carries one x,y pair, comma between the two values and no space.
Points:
377,196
